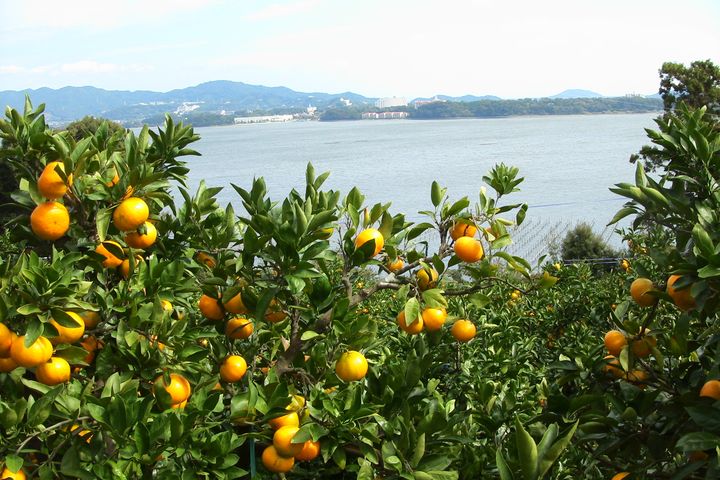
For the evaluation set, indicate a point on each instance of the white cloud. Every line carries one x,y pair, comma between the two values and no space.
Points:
277,10
11,69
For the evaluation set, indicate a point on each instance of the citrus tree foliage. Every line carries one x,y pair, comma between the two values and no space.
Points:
191,333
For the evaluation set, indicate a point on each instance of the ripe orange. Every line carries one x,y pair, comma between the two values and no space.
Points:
613,367
39,352
288,420
370,234
130,214
50,220
179,388
282,441
711,389
413,328
310,451
460,229
642,346
233,368
620,476
68,334
468,249
683,298
351,366
463,330
142,240
53,372
91,345
90,318
8,475
427,279
111,261
395,265
624,264
614,342
434,318
239,328
637,376
50,184
125,266
235,305
6,338
274,462
7,365
205,259
210,308
639,291
275,313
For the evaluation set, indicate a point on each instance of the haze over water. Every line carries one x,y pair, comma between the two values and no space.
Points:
568,162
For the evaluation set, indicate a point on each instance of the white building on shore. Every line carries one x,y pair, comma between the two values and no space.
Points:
388,102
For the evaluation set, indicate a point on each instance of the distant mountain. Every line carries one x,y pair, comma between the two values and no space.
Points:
653,95
576,93
70,103
464,98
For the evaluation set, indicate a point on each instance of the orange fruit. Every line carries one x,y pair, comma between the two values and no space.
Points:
463,330
142,240
434,318
205,259
210,308
125,266
114,180
274,313
698,456
639,291
180,405
460,229
233,368
53,372
468,249
637,376
7,365
620,476
90,318
83,433
50,184
39,352
642,346
111,261
130,214
179,388
612,366
614,342
91,345
351,366
6,338
282,441
50,220
235,305
395,265
239,328
68,334
288,420
310,451
711,389
683,298
274,462
412,329
370,234
8,475
427,279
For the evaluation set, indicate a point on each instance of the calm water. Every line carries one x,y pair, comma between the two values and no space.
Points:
568,161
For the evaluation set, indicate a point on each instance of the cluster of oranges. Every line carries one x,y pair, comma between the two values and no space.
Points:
432,320
50,220
280,456
39,355
466,246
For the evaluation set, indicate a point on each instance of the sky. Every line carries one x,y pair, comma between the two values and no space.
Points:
377,48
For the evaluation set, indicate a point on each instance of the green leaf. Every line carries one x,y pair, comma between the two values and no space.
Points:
502,466
698,441
479,299
703,241
13,463
436,193
549,456
419,451
102,223
547,280
412,311
434,298
622,213
527,451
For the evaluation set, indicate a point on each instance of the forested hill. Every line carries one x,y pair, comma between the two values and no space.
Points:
536,106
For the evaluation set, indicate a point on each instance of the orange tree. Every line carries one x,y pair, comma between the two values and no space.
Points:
646,396
144,339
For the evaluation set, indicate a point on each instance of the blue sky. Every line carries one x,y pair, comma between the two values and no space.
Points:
509,48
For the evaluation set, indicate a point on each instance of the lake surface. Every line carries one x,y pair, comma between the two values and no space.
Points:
568,162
